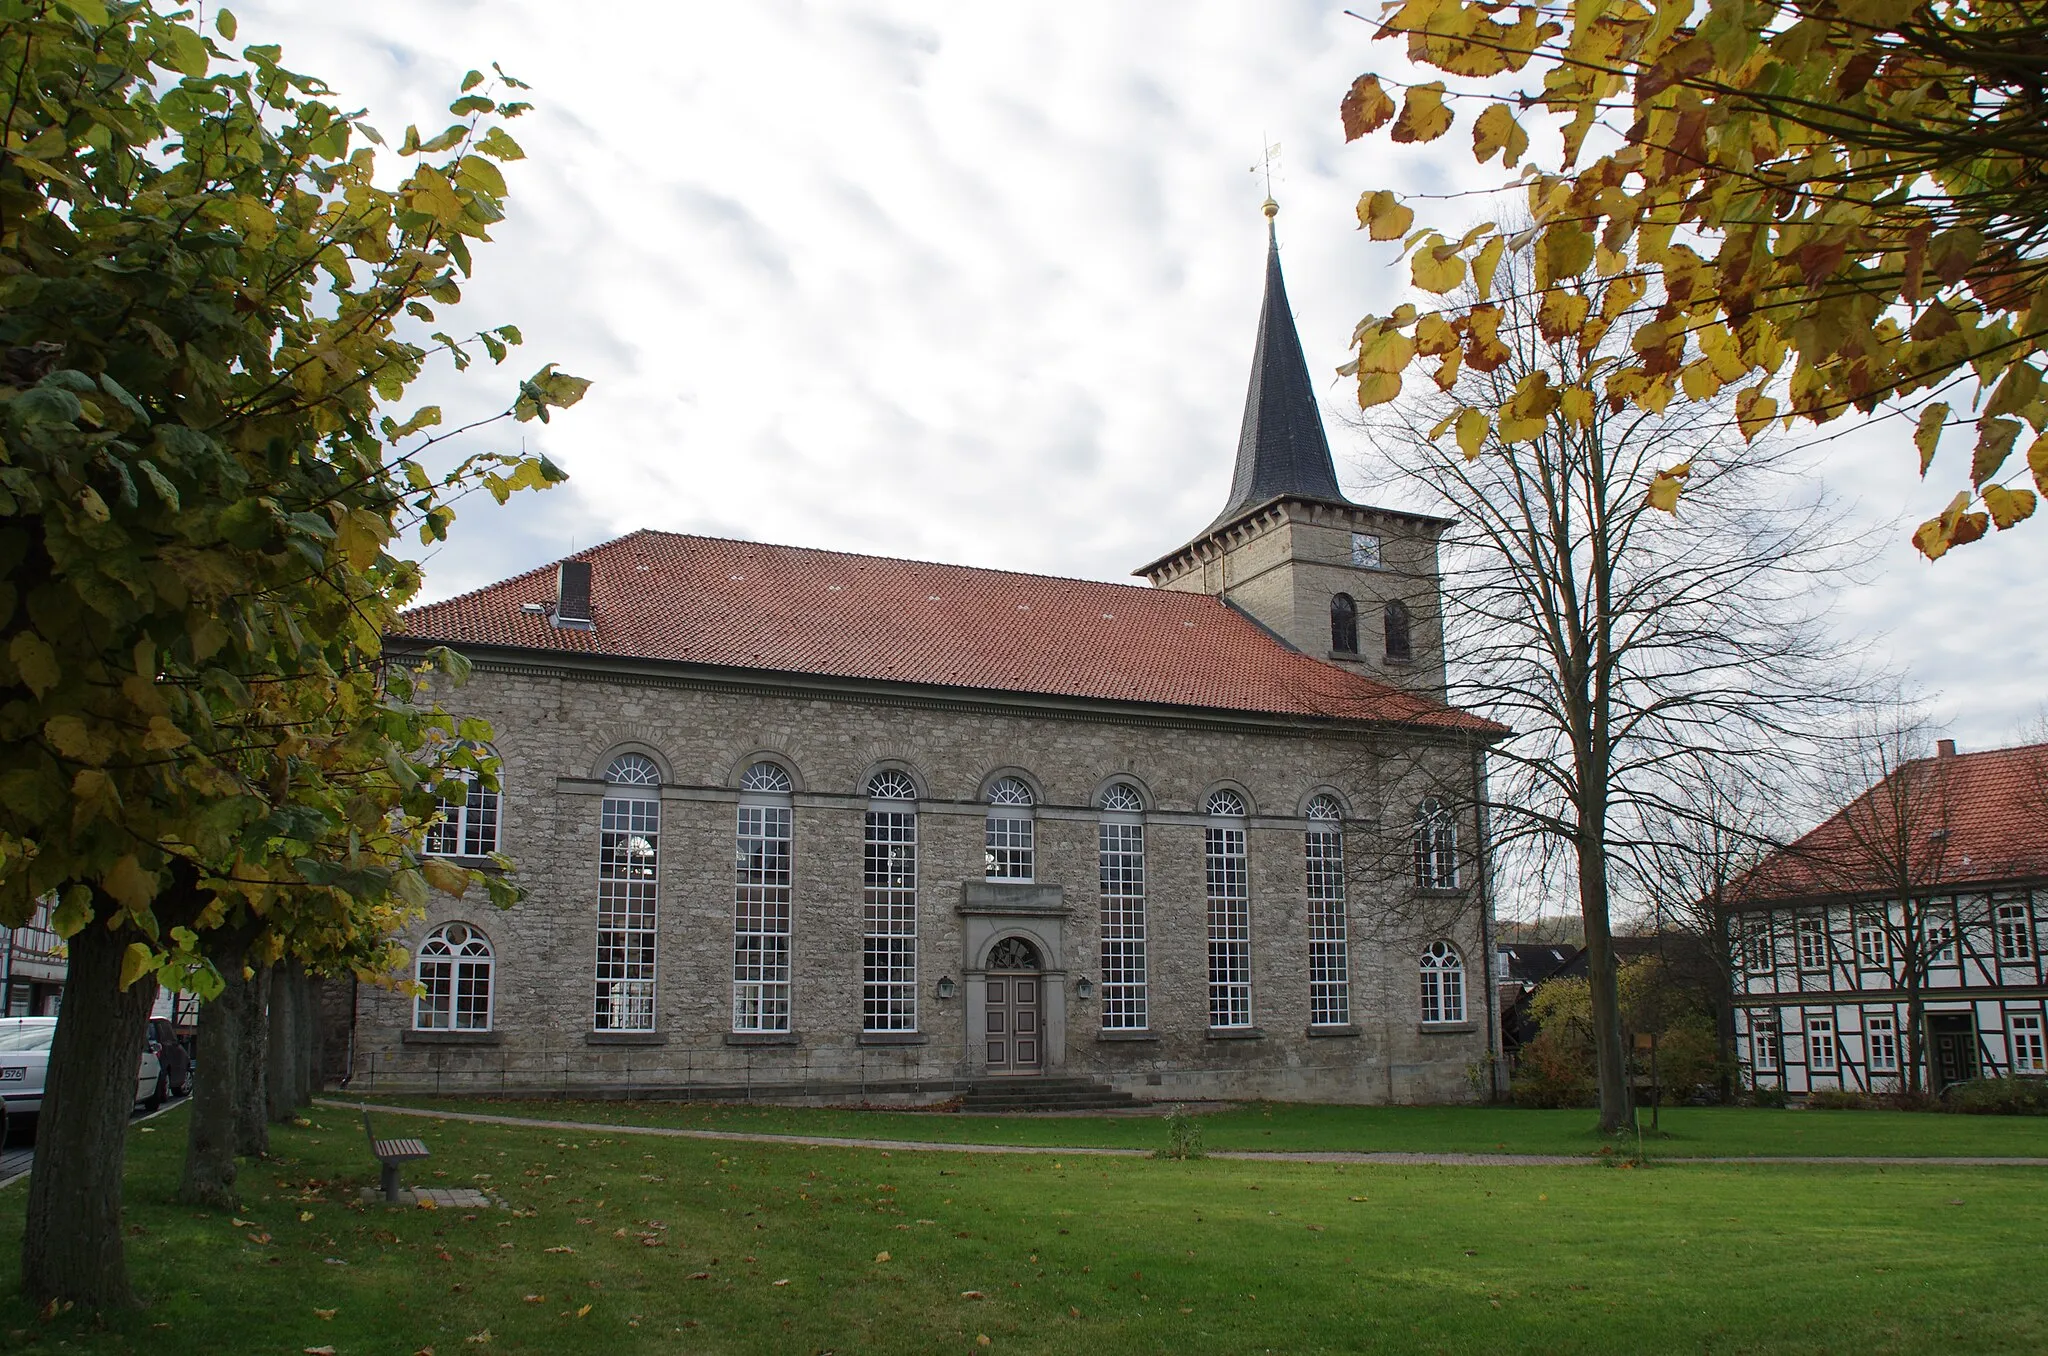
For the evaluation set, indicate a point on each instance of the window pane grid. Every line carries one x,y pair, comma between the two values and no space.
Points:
1763,1042
1820,1044
2015,934
1230,928
1009,843
1329,977
2029,1053
1436,847
467,827
1881,1043
760,923
628,884
1443,984
889,951
1121,866
1812,944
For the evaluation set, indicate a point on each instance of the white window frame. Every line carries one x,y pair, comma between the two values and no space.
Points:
1120,873
1227,880
1442,975
469,827
1009,834
1822,1053
2014,923
1329,952
1881,1042
889,895
1810,943
1759,948
763,875
2025,1043
1436,846
1938,934
456,972
1874,945
628,895
1766,1046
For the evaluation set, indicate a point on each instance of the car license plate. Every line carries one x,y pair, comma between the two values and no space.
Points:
12,1074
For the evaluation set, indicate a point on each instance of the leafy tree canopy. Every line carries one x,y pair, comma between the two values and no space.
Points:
207,298
1829,206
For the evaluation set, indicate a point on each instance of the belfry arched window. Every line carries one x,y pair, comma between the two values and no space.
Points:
1228,881
1400,642
1329,962
628,894
761,895
1010,836
1343,624
1443,983
454,974
889,892
1436,846
1120,865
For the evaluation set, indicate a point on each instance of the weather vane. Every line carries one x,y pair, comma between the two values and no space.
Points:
1265,166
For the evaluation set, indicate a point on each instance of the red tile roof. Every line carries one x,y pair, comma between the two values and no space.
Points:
1962,819
740,604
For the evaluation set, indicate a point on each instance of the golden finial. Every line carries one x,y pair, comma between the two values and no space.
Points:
1271,209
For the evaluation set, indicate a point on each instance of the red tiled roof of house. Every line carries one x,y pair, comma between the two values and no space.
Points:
1954,819
739,604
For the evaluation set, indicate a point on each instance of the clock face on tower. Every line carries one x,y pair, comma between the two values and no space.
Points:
1365,551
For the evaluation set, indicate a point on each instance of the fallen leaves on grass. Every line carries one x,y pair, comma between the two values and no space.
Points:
326,1313
319,1351
305,1217
881,1257
972,1294
584,1312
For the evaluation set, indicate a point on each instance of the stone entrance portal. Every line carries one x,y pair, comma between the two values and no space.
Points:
1016,982
1013,1013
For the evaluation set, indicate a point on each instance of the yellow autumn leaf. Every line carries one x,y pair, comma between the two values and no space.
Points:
1377,388
129,884
1383,217
2037,462
1366,107
445,875
1576,404
1424,117
1667,485
135,963
1753,410
1927,432
882,1256
2008,506
35,660
1496,130
1699,379
1473,426
1485,263
1436,266
1562,313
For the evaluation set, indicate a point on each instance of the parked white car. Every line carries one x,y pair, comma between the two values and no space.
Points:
25,1060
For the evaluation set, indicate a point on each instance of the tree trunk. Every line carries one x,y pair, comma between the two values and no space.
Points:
211,1142
307,989
252,1083
1610,1068
283,1054
71,1249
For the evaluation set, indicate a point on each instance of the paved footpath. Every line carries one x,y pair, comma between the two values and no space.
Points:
1329,1156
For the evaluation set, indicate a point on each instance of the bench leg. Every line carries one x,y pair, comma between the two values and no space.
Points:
390,1182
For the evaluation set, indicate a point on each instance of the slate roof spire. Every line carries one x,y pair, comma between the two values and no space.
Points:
1281,449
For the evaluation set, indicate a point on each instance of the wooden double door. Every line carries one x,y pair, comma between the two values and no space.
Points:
1014,1015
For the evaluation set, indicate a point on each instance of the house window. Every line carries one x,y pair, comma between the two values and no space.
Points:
467,826
760,915
1009,836
1940,929
1365,551
1329,967
1820,1044
1436,846
1120,863
1874,945
2029,1055
1400,642
1763,1042
454,972
1343,624
1230,912
628,887
1881,1043
1812,943
1757,952
889,880
2015,933
1443,984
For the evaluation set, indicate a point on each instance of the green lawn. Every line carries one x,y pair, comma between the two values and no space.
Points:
1688,1132
622,1244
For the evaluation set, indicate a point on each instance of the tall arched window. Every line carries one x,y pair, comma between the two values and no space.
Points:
628,892
1400,641
454,972
1436,846
467,825
1120,863
1010,838
1230,911
1343,624
1329,961
889,880
761,888
1443,984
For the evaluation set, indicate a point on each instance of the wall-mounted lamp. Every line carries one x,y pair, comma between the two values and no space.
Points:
945,986
1084,988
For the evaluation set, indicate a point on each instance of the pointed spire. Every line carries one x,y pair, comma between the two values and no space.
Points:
1281,449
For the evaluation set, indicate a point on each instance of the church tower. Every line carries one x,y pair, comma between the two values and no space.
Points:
1354,585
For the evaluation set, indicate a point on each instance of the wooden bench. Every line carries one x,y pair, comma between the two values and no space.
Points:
389,1154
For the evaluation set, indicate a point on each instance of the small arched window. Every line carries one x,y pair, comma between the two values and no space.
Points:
1436,846
1122,798
1343,624
1010,838
768,777
1400,639
454,973
1225,805
1443,983
890,784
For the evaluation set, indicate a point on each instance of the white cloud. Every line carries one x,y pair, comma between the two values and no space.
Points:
975,283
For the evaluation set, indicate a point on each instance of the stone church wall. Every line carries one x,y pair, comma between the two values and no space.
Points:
558,727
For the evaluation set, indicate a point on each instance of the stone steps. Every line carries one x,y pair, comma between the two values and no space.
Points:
1044,1094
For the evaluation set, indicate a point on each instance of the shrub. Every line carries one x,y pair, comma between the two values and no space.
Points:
1768,1095
1552,1074
1183,1136
1841,1099
1999,1097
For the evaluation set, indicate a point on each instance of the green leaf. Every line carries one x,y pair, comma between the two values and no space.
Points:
1927,432
73,912
495,144
36,661
136,962
472,80
224,24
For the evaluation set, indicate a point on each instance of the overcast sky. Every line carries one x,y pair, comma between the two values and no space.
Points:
972,283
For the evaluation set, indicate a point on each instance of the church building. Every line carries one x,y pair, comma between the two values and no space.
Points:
802,823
